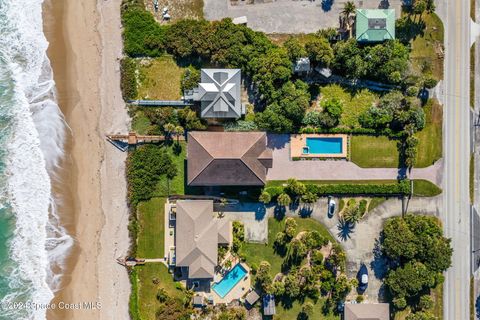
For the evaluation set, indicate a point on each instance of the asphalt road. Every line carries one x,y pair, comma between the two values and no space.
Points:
456,202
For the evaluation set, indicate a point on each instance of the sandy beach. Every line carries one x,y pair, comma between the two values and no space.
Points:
85,47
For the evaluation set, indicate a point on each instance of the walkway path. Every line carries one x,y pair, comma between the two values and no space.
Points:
360,243
284,168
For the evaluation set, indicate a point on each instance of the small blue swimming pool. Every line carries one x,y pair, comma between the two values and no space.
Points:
324,145
230,280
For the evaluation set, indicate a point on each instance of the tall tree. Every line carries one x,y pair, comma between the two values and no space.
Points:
347,12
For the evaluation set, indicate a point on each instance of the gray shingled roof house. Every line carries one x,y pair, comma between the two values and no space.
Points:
218,93
197,236
227,158
367,311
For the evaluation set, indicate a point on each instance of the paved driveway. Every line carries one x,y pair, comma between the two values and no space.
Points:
360,243
254,219
288,16
284,168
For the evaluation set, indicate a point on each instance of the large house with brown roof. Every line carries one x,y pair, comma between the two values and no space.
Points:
197,236
367,311
227,158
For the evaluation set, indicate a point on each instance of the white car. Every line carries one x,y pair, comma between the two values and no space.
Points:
331,207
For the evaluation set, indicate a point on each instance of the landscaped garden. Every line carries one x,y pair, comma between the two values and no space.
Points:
296,252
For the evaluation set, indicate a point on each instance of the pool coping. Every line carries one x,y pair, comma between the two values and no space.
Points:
216,283
237,292
298,142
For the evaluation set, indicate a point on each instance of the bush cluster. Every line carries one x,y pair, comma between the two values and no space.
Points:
400,188
128,81
145,166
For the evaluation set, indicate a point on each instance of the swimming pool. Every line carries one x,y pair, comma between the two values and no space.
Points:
230,280
323,145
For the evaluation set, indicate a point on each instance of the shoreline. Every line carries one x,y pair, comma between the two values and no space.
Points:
93,184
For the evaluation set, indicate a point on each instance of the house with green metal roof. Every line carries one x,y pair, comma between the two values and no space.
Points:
375,25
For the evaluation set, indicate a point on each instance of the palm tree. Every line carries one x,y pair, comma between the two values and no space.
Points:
347,12
169,129
284,200
178,132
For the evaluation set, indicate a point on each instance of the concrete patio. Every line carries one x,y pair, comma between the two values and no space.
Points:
284,168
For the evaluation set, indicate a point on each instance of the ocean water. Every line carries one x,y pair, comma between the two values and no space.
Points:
32,133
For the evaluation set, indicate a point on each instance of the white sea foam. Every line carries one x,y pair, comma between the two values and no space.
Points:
34,151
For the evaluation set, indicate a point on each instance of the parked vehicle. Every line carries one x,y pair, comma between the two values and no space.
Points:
331,207
362,278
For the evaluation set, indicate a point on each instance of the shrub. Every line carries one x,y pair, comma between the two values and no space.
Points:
400,303
142,35
265,197
190,78
426,302
430,82
145,166
128,81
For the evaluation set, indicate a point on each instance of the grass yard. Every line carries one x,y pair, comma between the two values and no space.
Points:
177,185
140,123
159,79
430,138
427,47
256,253
375,202
425,188
147,289
437,296
150,244
292,313
280,38
151,234
374,152
354,103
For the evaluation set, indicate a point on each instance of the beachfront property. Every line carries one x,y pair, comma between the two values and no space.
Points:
218,93
195,234
367,311
374,25
321,146
227,158
198,233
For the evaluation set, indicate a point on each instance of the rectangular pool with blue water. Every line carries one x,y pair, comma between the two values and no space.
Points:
230,280
324,145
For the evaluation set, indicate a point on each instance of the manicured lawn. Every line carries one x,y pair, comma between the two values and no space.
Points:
430,138
177,185
424,188
374,152
159,79
256,253
152,227
354,103
426,48
472,76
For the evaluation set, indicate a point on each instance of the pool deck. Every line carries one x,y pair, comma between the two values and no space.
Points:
238,291
299,141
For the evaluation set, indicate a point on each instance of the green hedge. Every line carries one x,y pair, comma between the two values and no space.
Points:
386,189
128,81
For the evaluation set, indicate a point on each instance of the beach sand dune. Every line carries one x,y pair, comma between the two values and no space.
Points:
85,48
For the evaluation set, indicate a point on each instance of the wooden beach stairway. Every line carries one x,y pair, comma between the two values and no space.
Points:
123,141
